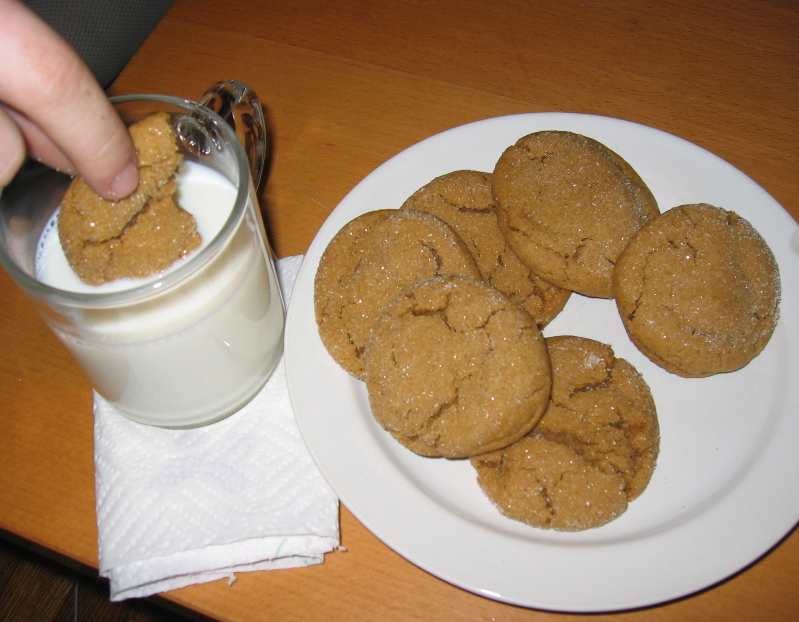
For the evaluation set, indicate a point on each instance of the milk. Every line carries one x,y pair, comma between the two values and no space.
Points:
191,354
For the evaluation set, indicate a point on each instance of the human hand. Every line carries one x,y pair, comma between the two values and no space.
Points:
52,107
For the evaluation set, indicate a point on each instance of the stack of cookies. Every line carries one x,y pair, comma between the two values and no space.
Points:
439,307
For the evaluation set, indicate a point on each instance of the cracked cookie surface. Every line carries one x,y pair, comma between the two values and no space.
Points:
369,262
698,291
568,205
140,235
593,451
455,368
464,200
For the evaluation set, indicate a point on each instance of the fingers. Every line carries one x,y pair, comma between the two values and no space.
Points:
38,144
12,153
61,112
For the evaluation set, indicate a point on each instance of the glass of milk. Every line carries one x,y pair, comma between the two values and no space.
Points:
193,344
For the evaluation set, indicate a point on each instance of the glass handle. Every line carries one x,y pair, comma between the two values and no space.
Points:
239,105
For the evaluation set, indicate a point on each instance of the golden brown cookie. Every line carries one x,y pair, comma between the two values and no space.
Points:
593,451
455,368
140,235
698,290
568,205
372,260
464,200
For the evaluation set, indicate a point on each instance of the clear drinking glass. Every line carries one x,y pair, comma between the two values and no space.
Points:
194,344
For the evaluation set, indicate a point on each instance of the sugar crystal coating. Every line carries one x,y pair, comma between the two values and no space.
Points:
373,259
698,290
464,200
139,235
455,368
593,451
568,205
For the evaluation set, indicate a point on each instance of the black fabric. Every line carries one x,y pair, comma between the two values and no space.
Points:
105,33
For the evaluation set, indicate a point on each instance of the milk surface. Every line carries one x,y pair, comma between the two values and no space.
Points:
203,192
191,354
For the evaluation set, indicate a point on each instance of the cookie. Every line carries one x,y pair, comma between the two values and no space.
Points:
140,235
568,205
698,291
372,260
455,368
593,451
464,200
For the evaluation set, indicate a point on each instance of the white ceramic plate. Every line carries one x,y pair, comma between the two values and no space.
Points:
724,490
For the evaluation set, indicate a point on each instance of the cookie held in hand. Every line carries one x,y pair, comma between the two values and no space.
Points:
139,235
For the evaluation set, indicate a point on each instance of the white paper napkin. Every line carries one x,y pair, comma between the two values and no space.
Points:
177,507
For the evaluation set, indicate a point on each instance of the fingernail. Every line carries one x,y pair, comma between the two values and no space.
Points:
124,183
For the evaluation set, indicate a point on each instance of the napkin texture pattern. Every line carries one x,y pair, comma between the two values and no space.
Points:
178,507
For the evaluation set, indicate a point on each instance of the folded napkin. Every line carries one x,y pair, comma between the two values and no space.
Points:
177,507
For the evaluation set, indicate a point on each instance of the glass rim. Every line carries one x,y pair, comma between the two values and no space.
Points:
171,276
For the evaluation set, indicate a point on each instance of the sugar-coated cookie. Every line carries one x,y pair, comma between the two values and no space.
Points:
455,368
568,205
593,451
373,259
464,200
139,235
698,290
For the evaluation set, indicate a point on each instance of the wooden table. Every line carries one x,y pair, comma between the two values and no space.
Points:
347,86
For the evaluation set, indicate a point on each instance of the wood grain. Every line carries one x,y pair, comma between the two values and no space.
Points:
347,86
38,589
